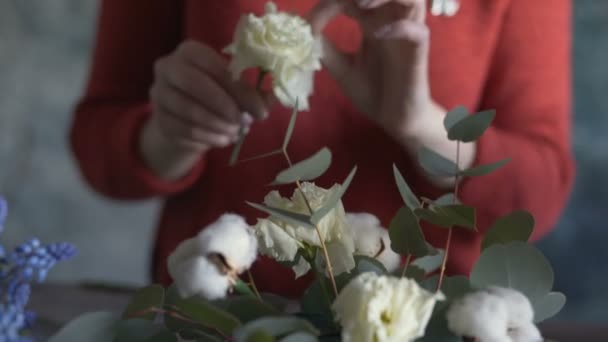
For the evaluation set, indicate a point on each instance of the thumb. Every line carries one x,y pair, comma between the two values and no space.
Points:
322,14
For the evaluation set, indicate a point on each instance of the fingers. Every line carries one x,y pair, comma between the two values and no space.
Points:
405,29
322,13
380,13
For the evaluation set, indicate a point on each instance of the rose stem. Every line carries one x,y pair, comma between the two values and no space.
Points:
407,263
330,270
449,239
253,286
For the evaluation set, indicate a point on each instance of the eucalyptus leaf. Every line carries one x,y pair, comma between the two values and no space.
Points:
460,215
295,219
333,200
90,327
136,330
472,127
515,265
291,126
144,299
413,272
433,217
259,336
430,263
516,226
274,326
247,309
208,315
447,199
163,336
307,169
242,288
548,306
406,235
454,116
435,164
365,264
484,169
300,337
406,192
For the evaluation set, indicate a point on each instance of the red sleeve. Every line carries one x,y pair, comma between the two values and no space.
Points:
105,131
529,86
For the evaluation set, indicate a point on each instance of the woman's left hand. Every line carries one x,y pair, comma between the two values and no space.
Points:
388,77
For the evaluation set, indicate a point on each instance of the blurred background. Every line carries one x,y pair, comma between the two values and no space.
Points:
44,55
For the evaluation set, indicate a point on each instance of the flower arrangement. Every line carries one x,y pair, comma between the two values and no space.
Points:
30,262
372,283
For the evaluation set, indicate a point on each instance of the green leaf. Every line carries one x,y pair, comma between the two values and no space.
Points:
307,169
163,336
241,288
208,315
291,126
516,226
274,326
484,169
413,272
452,287
259,336
515,265
300,337
234,156
447,199
460,215
548,306
406,235
433,217
146,298
333,200
435,164
136,330
454,116
472,127
406,192
90,327
247,309
430,263
366,264
295,219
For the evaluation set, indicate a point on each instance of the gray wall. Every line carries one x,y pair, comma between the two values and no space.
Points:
44,50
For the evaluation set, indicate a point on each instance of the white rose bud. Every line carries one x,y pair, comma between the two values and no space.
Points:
208,264
383,308
282,44
370,237
281,240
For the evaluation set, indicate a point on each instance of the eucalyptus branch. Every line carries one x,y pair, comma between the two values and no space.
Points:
450,230
407,264
253,286
330,270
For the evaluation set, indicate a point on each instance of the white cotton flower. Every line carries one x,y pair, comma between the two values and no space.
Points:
282,44
494,314
382,308
197,276
479,315
281,240
368,234
208,264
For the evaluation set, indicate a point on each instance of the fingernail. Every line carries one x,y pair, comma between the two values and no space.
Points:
383,31
364,3
247,119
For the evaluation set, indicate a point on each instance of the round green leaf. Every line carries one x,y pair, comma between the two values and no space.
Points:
366,264
515,265
246,309
274,326
146,298
406,235
90,327
206,314
413,272
435,164
300,337
447,199
548,306
460,215
454,116
434,217
307,169
472,127
406,192
136,330
516,226
484,169
430,263
163,336
259,336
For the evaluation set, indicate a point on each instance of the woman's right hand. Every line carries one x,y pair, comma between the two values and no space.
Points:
196,106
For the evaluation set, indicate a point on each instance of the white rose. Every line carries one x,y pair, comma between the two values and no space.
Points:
369,236
281,240
494,314
282,44
208,264
383,308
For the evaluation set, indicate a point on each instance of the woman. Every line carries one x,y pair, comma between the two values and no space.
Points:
160,113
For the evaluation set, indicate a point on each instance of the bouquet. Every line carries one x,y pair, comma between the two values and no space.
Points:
372,283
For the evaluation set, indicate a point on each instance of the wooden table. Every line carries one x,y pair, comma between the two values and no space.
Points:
58,304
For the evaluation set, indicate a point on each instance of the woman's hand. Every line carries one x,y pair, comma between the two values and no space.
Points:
196,106
388,77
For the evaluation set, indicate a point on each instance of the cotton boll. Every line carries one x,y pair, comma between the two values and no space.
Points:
520,309
369,236
231,237
189,248
198,276
525,333
480,315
